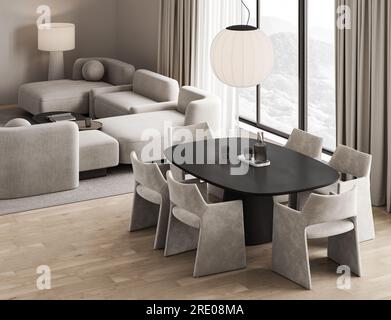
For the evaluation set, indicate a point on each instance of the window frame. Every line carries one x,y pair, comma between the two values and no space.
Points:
303,79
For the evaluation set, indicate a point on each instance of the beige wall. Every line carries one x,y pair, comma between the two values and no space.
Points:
138,32
123,29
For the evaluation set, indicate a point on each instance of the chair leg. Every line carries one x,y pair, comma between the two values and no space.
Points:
344,250
220,251
162,226
144,214
290,254
180,237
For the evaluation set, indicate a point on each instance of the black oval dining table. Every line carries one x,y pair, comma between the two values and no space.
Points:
289,173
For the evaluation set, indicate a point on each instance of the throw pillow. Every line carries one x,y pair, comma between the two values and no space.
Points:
93,70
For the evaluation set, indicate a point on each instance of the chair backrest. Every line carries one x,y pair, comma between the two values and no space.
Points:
305,143
320,208
147,174
187,134
117,73
186,196
352,162
155,86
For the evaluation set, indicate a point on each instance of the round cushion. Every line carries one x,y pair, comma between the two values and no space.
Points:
19,122
93,70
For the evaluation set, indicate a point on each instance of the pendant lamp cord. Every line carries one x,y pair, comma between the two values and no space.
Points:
248,10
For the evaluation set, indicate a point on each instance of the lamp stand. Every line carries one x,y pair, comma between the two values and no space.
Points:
56,65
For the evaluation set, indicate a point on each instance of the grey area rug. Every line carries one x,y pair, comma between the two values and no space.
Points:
118,181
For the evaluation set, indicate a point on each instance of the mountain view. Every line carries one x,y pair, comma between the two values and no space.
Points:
279,93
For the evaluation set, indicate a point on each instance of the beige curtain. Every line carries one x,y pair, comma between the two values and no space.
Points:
177,39
364,88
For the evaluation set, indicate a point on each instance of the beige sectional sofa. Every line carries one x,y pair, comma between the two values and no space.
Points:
135,132
72,95
149,92
50,157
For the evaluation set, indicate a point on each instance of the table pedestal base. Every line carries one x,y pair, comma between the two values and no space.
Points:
258,217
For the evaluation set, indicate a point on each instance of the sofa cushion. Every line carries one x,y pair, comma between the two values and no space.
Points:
134,132
59,95
97,151
120,104
93,70
155,86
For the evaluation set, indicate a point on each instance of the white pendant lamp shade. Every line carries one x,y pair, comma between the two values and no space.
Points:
56,37
242,56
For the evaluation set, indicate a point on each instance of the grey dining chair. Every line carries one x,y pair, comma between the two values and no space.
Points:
333,217
216,231
151,204
306,144
187,134
355,169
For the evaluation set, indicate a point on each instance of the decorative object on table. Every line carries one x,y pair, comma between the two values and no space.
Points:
93,70
252,162
260,149
61,117
242,55
44,117
88,122
56,38
95,125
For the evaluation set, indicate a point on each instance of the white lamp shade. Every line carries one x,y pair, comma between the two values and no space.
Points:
242,56
56,37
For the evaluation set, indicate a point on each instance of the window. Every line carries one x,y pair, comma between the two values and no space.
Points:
321,71
300,92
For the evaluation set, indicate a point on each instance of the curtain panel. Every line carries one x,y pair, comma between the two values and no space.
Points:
364,88
177,39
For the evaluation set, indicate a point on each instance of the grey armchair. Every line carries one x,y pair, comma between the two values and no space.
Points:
333,217
356,166
215,230
151,204
305,144
38,159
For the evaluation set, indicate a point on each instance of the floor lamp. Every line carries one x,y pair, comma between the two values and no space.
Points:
56,38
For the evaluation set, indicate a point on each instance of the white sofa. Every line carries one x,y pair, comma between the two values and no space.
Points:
135,132
73,95
149,92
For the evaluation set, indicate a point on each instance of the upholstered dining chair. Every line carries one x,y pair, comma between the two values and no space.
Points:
333,217
306,144
356,166
151,204
216,231
187,134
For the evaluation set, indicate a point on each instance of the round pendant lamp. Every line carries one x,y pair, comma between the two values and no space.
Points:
242,56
